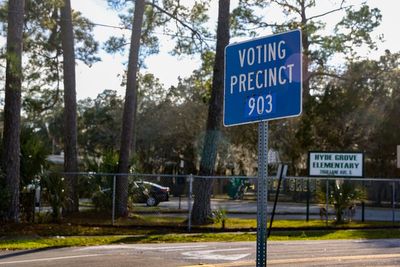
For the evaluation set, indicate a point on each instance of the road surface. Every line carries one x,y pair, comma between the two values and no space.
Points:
223,254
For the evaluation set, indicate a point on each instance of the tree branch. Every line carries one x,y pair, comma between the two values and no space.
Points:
184,24
329,12
329,74
287,5
264,25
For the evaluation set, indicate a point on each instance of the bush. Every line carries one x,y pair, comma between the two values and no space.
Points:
102,200
54,185
4,198
342,195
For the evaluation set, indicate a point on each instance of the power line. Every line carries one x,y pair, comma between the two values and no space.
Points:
109,26
128,28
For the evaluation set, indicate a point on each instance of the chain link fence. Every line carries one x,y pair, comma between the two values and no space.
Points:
168,199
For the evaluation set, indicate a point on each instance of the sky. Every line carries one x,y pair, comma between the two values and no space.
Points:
107,73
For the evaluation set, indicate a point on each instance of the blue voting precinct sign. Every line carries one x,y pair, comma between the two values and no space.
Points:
263,79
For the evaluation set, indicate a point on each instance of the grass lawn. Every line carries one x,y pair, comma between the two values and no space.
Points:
89,229
34,242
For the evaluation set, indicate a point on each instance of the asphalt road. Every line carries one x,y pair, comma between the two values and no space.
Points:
223,254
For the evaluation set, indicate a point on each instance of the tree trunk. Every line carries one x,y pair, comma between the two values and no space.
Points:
129,110
203,187
12,106
70,116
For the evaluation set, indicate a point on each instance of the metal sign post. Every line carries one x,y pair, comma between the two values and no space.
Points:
263,81
262,194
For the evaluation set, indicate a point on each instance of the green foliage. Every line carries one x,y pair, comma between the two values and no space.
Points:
150,92
177,133
384,132
149,42
359,112
67,241
33,162
42,49
356,111
115,45
4,197
158,141
183,24
343,195
201,79
27,202
220,216
100,187
100,123
33,155
244,21
109,163
355,28
102,200
189,40
53,186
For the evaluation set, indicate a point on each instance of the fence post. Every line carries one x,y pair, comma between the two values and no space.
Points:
363,211
393,201
113,200
327,201
190,202
308,200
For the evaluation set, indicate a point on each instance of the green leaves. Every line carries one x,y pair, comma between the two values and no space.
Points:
116,45
244,21
171,19
34,151
42,49
355,29
99,124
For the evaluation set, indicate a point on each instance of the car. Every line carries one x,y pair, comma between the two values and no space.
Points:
150,193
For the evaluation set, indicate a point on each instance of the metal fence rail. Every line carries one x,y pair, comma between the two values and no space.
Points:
301,198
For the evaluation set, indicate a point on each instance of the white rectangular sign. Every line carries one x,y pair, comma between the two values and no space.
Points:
336,164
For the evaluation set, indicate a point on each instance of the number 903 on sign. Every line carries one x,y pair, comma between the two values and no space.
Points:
259,105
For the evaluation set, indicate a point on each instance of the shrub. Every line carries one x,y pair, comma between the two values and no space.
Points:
102,200
4,198
342,195
54,193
